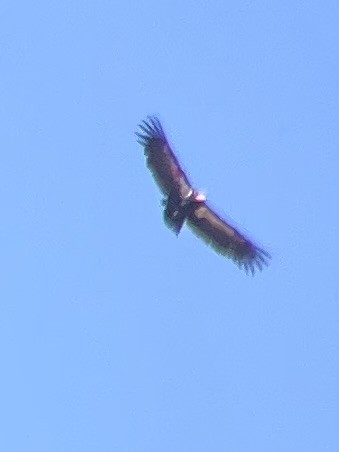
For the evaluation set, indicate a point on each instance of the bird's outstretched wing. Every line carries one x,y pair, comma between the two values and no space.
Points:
161,160
225,239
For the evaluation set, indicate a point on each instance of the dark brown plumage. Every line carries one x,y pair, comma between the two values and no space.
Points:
161,160
183,203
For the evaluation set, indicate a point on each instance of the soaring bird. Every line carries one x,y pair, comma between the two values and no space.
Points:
185,204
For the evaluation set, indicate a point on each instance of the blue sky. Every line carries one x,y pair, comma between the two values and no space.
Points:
115,335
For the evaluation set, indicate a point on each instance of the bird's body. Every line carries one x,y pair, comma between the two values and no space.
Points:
183,203
176,211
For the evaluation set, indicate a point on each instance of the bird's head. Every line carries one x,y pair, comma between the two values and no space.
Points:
199,197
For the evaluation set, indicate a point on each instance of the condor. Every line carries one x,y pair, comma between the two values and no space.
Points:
184,204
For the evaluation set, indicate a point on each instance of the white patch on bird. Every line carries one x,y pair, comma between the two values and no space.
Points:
189,194
200,197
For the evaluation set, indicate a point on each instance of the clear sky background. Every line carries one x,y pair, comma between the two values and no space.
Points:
115,335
